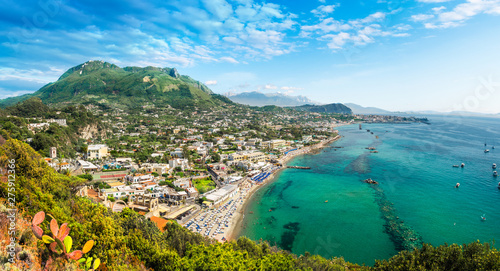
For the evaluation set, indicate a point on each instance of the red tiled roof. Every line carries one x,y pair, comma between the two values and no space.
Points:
160,222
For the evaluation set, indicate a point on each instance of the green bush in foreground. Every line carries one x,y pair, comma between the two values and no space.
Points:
473,256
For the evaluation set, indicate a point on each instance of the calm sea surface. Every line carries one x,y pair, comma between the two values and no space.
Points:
416,187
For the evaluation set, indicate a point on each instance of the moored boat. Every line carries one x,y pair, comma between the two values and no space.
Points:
462,165
494,166
457,185
486,151
495,173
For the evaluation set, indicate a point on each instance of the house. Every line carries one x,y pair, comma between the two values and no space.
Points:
192,192
63,166
160,222
87,165
177,153
97,151
182,163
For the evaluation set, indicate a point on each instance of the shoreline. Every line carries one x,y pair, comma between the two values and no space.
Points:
235,225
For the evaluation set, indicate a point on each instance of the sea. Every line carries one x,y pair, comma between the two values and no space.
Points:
329,210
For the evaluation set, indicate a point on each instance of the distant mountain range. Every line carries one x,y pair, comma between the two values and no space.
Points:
358,109
103,83
255,98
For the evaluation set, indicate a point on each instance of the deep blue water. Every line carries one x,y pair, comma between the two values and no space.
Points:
414,169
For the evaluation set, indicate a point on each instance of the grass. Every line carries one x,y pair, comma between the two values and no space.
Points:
204,185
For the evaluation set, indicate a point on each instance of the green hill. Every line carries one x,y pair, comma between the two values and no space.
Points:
101,82
327,108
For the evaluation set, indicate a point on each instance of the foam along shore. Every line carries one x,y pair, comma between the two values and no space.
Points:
248,188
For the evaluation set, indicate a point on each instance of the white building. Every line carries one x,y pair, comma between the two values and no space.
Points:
222,194
97,151
182,163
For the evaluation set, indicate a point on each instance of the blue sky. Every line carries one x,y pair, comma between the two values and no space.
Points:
439,55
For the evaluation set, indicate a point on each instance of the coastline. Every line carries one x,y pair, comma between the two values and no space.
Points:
235,225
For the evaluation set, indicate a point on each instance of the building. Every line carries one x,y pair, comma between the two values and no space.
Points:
97,151
182,163
248,156
61,122
275,143
178,152
220,195
53,152
192,192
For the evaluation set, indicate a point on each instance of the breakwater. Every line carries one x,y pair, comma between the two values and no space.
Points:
402,235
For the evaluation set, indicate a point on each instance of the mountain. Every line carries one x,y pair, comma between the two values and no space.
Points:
101,82
358,109
327,108
255,98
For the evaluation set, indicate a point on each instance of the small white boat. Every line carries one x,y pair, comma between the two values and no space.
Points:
455,166
462,165
495,173
457,185
485,151
494,166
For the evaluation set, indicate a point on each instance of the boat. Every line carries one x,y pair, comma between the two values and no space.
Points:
485,151
483,217
493,147
494,166
370,181
462,165
495,173
455,166
457,185
326,201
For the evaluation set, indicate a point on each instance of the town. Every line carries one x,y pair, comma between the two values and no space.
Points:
193,167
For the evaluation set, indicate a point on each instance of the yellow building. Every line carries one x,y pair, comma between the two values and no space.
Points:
97,151
249,156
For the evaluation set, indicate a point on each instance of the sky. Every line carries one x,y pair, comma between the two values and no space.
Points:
441,55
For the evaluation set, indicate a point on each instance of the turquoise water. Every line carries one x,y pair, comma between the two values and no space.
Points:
416,180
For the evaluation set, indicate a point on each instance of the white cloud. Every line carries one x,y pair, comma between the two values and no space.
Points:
460,13
421,17
324,10
292,89
357,32
211,82
15,93
229,59
270,86
438,9
433,1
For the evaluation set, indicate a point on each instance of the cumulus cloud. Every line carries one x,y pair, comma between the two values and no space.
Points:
356,32
459,14
421,17
433,1
270,86
324,10
211,82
